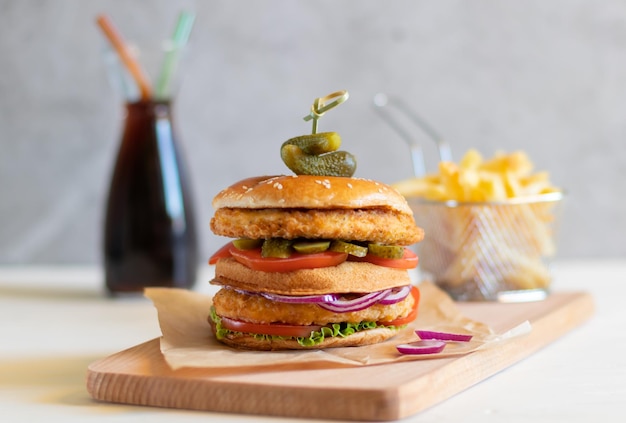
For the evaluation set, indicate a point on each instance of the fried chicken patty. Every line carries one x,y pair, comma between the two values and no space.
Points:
258,309
374,225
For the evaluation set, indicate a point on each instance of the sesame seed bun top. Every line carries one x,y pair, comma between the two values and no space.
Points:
310,192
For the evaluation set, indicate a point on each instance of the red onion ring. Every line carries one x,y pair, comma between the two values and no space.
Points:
396,295
360,303
334,302
303,299
432,346
293,299
443,336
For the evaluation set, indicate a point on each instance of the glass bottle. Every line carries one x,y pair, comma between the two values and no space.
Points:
149,230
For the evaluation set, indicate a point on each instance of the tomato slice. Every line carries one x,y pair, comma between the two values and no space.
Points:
223,252
297,261
408,261
254,260
415,292
269,329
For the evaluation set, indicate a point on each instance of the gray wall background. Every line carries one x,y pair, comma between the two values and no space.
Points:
548,77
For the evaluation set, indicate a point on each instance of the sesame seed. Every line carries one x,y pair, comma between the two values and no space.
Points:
349,185
278,185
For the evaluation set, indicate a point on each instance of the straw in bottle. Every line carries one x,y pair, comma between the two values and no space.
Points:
126,56
172,57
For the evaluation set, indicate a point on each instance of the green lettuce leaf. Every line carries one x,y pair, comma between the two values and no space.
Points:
317,337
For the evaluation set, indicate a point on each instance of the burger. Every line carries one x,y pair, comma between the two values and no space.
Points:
315,262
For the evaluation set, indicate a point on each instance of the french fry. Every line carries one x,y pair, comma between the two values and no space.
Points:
471,161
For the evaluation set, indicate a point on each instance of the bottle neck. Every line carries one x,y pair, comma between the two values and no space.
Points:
161,109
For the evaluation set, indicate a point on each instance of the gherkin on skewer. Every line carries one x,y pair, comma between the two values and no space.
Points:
316,154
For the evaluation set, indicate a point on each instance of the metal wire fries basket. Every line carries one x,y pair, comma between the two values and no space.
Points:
483,251
489,251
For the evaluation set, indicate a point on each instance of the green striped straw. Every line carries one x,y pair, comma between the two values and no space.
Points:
172,57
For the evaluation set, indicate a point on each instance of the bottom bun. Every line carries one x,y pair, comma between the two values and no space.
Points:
249,342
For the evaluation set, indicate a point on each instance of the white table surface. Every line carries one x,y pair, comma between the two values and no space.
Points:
55,321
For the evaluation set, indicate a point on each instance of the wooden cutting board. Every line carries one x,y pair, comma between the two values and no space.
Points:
140,375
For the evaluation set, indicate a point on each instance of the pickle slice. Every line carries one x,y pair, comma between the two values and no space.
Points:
386,251
348,247
337,163
311,247
276,247
247,243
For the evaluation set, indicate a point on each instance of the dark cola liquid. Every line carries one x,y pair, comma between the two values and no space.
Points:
149,232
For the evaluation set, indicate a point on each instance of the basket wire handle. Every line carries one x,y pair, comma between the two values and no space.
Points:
381,101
